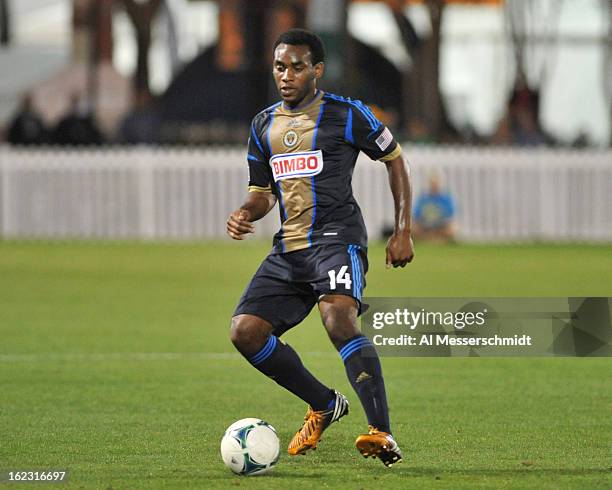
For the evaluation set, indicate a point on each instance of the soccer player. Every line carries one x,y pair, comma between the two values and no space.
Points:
301,154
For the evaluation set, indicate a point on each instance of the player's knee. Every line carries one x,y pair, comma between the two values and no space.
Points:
338,315
340,323
247,334
241,331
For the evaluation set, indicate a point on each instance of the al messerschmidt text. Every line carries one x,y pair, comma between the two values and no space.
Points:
449,340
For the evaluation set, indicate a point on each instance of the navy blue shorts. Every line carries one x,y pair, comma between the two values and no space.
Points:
287,286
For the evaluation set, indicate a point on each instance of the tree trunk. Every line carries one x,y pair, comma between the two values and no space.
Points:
5,23
525,23
255,14
607,71
424,114
430,64
142,15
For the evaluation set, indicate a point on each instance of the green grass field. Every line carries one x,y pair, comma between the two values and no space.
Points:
116,365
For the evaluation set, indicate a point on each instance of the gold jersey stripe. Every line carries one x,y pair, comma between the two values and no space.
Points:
256,188
291,132
393,155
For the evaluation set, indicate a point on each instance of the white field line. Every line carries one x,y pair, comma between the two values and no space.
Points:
133,356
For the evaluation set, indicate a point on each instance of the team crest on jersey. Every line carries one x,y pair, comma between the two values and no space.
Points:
290,138
295,165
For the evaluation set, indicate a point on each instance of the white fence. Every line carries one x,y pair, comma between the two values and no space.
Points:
502,194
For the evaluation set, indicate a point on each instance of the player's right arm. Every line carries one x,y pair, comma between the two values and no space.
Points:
260,199
256,206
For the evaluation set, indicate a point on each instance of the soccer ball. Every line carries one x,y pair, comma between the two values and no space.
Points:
250,447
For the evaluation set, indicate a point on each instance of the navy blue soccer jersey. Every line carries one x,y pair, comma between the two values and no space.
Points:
306,157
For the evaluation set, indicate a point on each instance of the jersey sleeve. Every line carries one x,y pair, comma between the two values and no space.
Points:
260,175
369,135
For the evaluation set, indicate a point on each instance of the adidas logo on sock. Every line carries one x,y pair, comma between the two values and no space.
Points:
363,376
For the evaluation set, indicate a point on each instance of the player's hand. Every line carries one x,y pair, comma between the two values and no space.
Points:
400,249
239,224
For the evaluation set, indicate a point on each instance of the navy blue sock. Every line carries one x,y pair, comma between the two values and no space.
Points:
281,363
365,375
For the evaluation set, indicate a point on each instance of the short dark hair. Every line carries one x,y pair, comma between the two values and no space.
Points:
303,37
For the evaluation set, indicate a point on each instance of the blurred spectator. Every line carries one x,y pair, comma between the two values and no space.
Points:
142,124
434,214
27,127
78,126
521,126
581,141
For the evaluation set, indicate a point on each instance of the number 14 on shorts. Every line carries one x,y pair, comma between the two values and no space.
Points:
340,277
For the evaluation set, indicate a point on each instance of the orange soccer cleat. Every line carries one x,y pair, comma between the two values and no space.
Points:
315,422
377,444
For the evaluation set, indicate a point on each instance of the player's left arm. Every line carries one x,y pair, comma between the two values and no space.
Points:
365,132
400,249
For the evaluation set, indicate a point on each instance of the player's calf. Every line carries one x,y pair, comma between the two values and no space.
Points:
277,360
